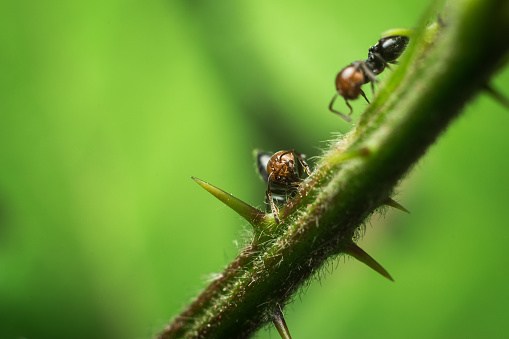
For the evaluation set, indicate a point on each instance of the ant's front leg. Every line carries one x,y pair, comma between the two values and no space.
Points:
349,106
369,75
367,71
303,162
273,207
364,95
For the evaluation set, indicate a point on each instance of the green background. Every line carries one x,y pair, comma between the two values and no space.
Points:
107,108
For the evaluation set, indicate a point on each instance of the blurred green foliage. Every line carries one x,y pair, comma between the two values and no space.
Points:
107,108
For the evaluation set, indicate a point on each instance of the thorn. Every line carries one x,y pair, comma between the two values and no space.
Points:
393,203
253,215
279,321
364,151
495,94
359,254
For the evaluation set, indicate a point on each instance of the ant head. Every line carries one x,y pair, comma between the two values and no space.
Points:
350,80
281,168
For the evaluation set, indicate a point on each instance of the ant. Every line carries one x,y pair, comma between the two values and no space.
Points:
350,79
283,172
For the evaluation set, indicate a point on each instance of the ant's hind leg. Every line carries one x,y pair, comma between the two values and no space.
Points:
339,113
348,104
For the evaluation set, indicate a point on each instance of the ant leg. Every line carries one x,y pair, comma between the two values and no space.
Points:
368,72
303,163
273,207
301,160
351,109
386,64
339,113
364,95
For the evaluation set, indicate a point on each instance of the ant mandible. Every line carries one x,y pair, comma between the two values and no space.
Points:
350,79
283,172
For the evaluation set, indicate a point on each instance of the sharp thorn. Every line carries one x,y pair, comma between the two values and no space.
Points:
499,97
396,205
253,215
279,321
359,254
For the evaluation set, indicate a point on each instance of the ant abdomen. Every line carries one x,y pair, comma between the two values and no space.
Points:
386,51
389,48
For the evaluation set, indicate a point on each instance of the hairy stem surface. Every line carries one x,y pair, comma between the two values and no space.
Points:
445,65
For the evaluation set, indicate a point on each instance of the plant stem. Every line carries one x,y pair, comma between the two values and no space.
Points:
444,67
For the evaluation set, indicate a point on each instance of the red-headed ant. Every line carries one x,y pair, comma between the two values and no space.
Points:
283,173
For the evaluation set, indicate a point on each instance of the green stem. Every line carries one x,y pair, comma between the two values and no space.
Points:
444,67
